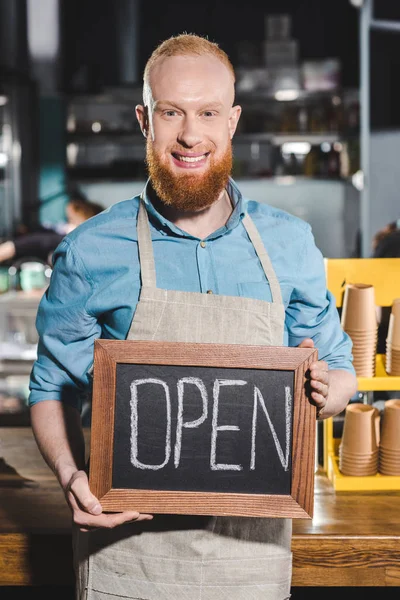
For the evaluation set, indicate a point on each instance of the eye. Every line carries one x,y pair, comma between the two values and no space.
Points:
170,113
209,113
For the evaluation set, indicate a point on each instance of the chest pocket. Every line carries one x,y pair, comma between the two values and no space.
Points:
259,290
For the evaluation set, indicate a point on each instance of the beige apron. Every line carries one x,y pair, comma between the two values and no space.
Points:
193,557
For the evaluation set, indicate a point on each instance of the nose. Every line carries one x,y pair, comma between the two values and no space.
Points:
190,134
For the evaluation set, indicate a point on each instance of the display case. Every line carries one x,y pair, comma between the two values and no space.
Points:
18,351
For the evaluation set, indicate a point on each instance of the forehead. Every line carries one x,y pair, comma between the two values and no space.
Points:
187,78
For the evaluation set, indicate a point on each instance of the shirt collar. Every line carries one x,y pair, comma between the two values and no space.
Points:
163,224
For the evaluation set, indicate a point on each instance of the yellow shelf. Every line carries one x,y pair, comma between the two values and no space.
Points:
382,273
348,483
382,381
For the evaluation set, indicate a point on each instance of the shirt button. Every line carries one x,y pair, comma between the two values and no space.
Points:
203,244
209,291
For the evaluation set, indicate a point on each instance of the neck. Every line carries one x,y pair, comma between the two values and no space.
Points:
203,222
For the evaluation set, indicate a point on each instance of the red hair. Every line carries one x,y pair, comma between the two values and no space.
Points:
187,44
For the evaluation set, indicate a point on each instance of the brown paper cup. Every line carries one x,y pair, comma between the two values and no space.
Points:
393,336
389,470
364,334
359,432
355,471
392,349
389,453
357,457
390,428
388,462
359,310
361,468
364,344
365,354
361,372
377,421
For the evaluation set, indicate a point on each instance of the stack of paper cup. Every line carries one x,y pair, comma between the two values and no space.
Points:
389,451
358,449
359,320
392,365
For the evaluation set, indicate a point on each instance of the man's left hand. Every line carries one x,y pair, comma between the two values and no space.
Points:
319,378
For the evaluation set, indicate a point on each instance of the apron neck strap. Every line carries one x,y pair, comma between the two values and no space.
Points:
265,260
145,248
146,255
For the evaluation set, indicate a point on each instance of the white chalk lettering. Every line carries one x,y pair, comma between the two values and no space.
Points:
188,424
215,427
182,385
258,399
135,424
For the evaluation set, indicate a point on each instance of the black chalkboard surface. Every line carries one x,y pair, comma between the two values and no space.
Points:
202,429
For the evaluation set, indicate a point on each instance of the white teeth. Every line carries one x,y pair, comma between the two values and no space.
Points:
191,158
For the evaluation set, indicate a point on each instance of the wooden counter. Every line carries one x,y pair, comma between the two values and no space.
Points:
353,539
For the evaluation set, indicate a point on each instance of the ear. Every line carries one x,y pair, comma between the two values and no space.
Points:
234,116
141,115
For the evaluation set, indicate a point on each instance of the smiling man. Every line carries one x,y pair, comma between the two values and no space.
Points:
190,260
189,129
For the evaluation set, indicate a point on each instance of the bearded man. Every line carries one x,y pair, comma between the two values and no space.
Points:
190,259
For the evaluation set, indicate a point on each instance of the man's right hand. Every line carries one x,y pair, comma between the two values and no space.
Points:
64,453
87,511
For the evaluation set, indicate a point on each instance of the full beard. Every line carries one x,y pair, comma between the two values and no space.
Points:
189,192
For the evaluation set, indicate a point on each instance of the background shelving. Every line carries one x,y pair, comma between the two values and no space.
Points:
384,275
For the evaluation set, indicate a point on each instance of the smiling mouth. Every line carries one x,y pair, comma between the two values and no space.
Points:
187,158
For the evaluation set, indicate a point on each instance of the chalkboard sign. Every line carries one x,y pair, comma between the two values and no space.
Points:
212,429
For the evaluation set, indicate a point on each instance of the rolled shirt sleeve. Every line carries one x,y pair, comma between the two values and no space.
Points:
66,331
312,311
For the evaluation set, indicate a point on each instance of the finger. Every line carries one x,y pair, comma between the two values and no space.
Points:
319,387
319,364
144,517
80,499
79,488
104,519
127,517
96,526
321,376
88,522
77,509
306,343
318,399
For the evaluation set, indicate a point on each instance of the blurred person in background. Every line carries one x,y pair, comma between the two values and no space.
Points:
42,242
386,242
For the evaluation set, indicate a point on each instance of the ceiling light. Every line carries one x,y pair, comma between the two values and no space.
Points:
286,95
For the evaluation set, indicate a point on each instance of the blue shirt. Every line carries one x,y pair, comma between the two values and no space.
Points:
95,286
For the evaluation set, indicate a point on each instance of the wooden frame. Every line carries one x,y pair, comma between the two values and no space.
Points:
109,353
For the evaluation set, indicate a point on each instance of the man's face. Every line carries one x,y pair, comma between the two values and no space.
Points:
189,122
